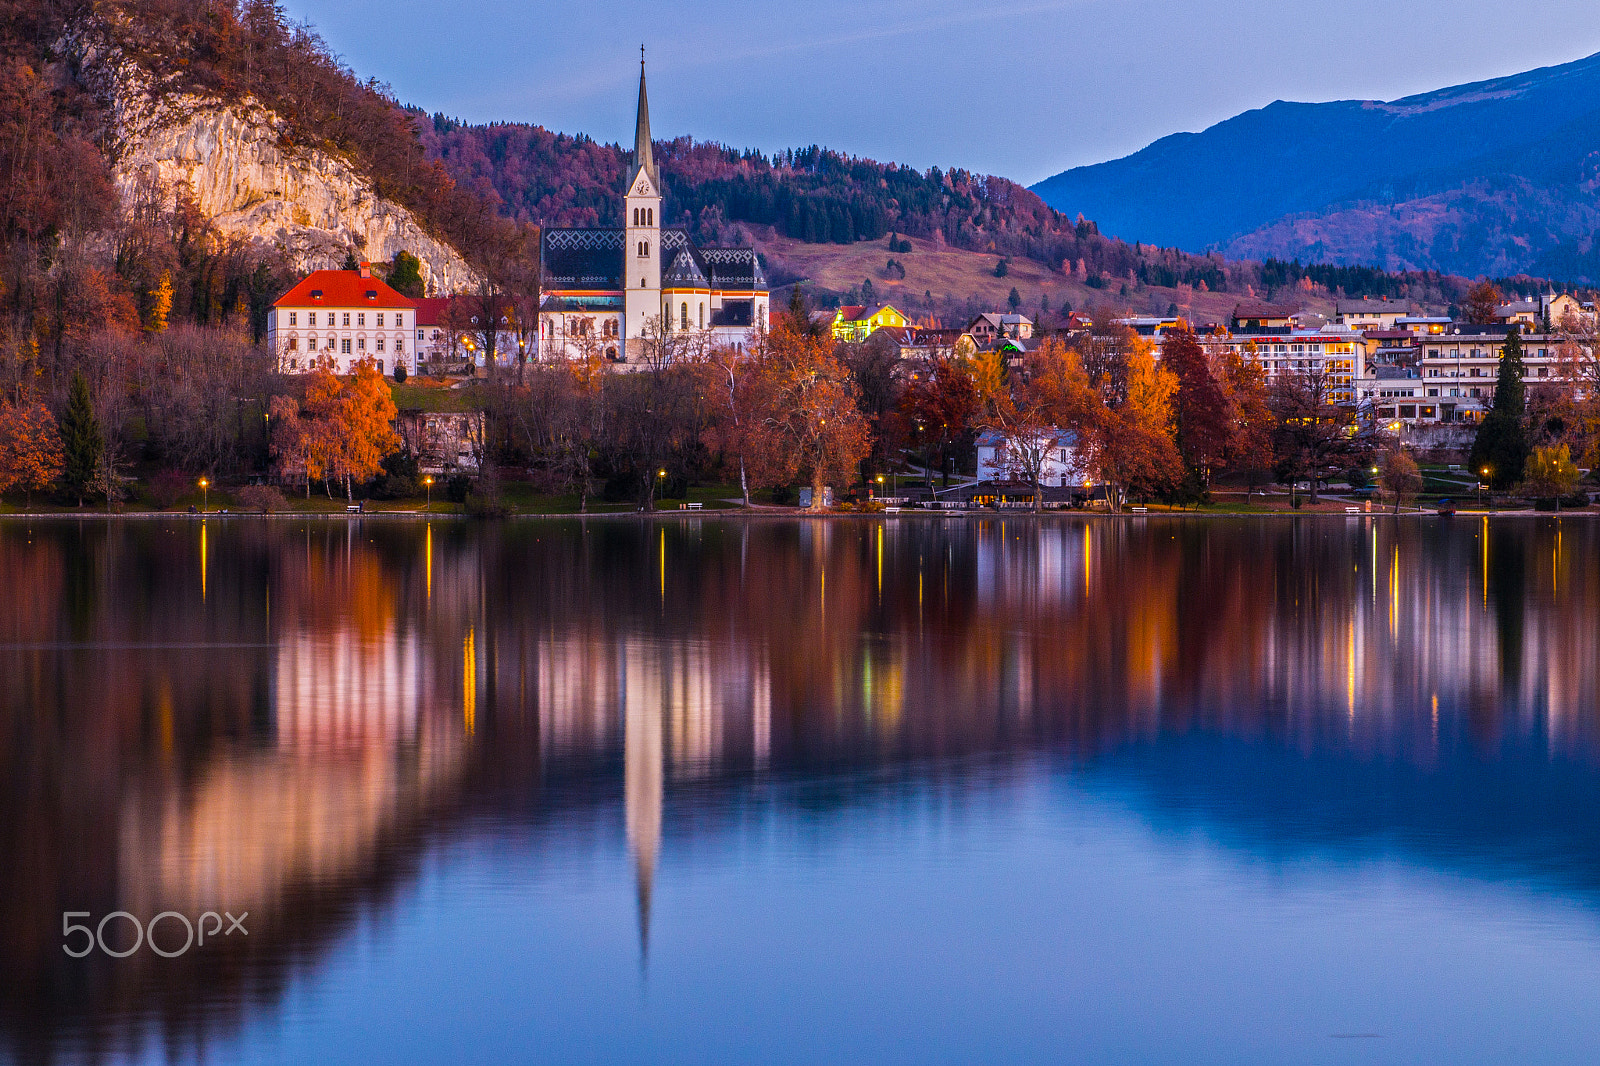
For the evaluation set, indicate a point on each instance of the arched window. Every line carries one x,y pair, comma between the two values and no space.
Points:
650,216
702,316
683,315
636,216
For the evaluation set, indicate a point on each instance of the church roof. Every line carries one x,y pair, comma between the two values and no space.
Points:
734,268
582,259
643,155
684,273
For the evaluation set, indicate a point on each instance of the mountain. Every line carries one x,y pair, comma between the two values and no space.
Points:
1495,177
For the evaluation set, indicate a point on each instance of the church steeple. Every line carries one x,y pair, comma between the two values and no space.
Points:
643,158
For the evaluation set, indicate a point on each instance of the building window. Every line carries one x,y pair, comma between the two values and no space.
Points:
361,318
311,318
344,346
399,320
291,318
294,364
419,335
683,315
702,316
346,318
380,366
361,344
380,319
380,344
399,345
293,343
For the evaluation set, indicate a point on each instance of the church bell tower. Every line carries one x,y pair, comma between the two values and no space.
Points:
641,254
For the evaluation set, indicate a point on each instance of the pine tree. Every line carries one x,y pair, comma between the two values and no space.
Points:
1015,300
81,440
1502,442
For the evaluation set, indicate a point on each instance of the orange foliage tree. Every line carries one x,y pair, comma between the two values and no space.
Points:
30,447
807,420
344,429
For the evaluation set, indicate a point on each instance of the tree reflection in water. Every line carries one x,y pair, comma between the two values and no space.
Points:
290,739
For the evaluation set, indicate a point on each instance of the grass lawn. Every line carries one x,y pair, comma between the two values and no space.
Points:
432,394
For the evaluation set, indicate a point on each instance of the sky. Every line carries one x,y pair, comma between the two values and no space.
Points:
1021,88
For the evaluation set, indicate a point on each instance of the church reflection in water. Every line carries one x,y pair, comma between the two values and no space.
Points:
290,737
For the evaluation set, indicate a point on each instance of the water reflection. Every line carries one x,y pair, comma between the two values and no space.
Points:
286,717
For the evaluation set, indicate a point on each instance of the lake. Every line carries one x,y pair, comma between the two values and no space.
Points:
919,790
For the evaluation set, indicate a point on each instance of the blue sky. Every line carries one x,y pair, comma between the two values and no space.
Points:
1023,88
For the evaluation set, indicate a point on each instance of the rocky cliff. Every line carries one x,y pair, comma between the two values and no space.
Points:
245,174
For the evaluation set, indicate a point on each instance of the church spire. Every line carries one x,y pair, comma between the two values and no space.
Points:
643,158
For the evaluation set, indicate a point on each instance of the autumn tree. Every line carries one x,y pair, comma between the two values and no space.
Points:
1200,406
1250,421
1401,477
808,423
1550,473
1501,444
1481,303
940,407
30,447
1314,437
361,423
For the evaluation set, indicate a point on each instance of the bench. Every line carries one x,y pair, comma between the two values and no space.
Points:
891,510
352,508
1139,510
691,506
1352,510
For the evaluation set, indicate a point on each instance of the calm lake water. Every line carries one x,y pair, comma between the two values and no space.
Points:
916,790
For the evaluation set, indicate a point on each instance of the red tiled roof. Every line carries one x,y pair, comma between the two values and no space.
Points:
342,288
430,310
851,312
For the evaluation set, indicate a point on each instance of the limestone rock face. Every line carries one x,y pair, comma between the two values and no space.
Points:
247,177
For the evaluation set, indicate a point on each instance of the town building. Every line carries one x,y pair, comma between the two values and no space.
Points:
339,317
854,322
1004,457
442,442
631,294
990,327
1366,315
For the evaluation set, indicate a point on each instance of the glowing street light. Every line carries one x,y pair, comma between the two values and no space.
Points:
427,483
205,495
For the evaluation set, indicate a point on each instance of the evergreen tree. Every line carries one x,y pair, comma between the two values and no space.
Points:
350,262
1001,269
81,440
1015,300
1502,441
405,275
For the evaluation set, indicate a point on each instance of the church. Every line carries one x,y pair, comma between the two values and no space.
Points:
638,294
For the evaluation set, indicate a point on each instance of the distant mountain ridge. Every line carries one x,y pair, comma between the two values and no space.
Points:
1493,177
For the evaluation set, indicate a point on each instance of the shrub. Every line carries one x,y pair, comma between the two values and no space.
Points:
458,488
399,373
486,506
168,487
262,498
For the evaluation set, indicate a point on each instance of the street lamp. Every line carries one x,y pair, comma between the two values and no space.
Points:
880,484
1485,483
427,484
205,495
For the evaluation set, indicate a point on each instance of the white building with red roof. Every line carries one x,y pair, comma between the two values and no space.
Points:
339,317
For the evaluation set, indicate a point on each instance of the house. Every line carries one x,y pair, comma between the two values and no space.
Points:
1006,457
1261,318
991,326
1367,314
854,322
1525,315
339,317
442,442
